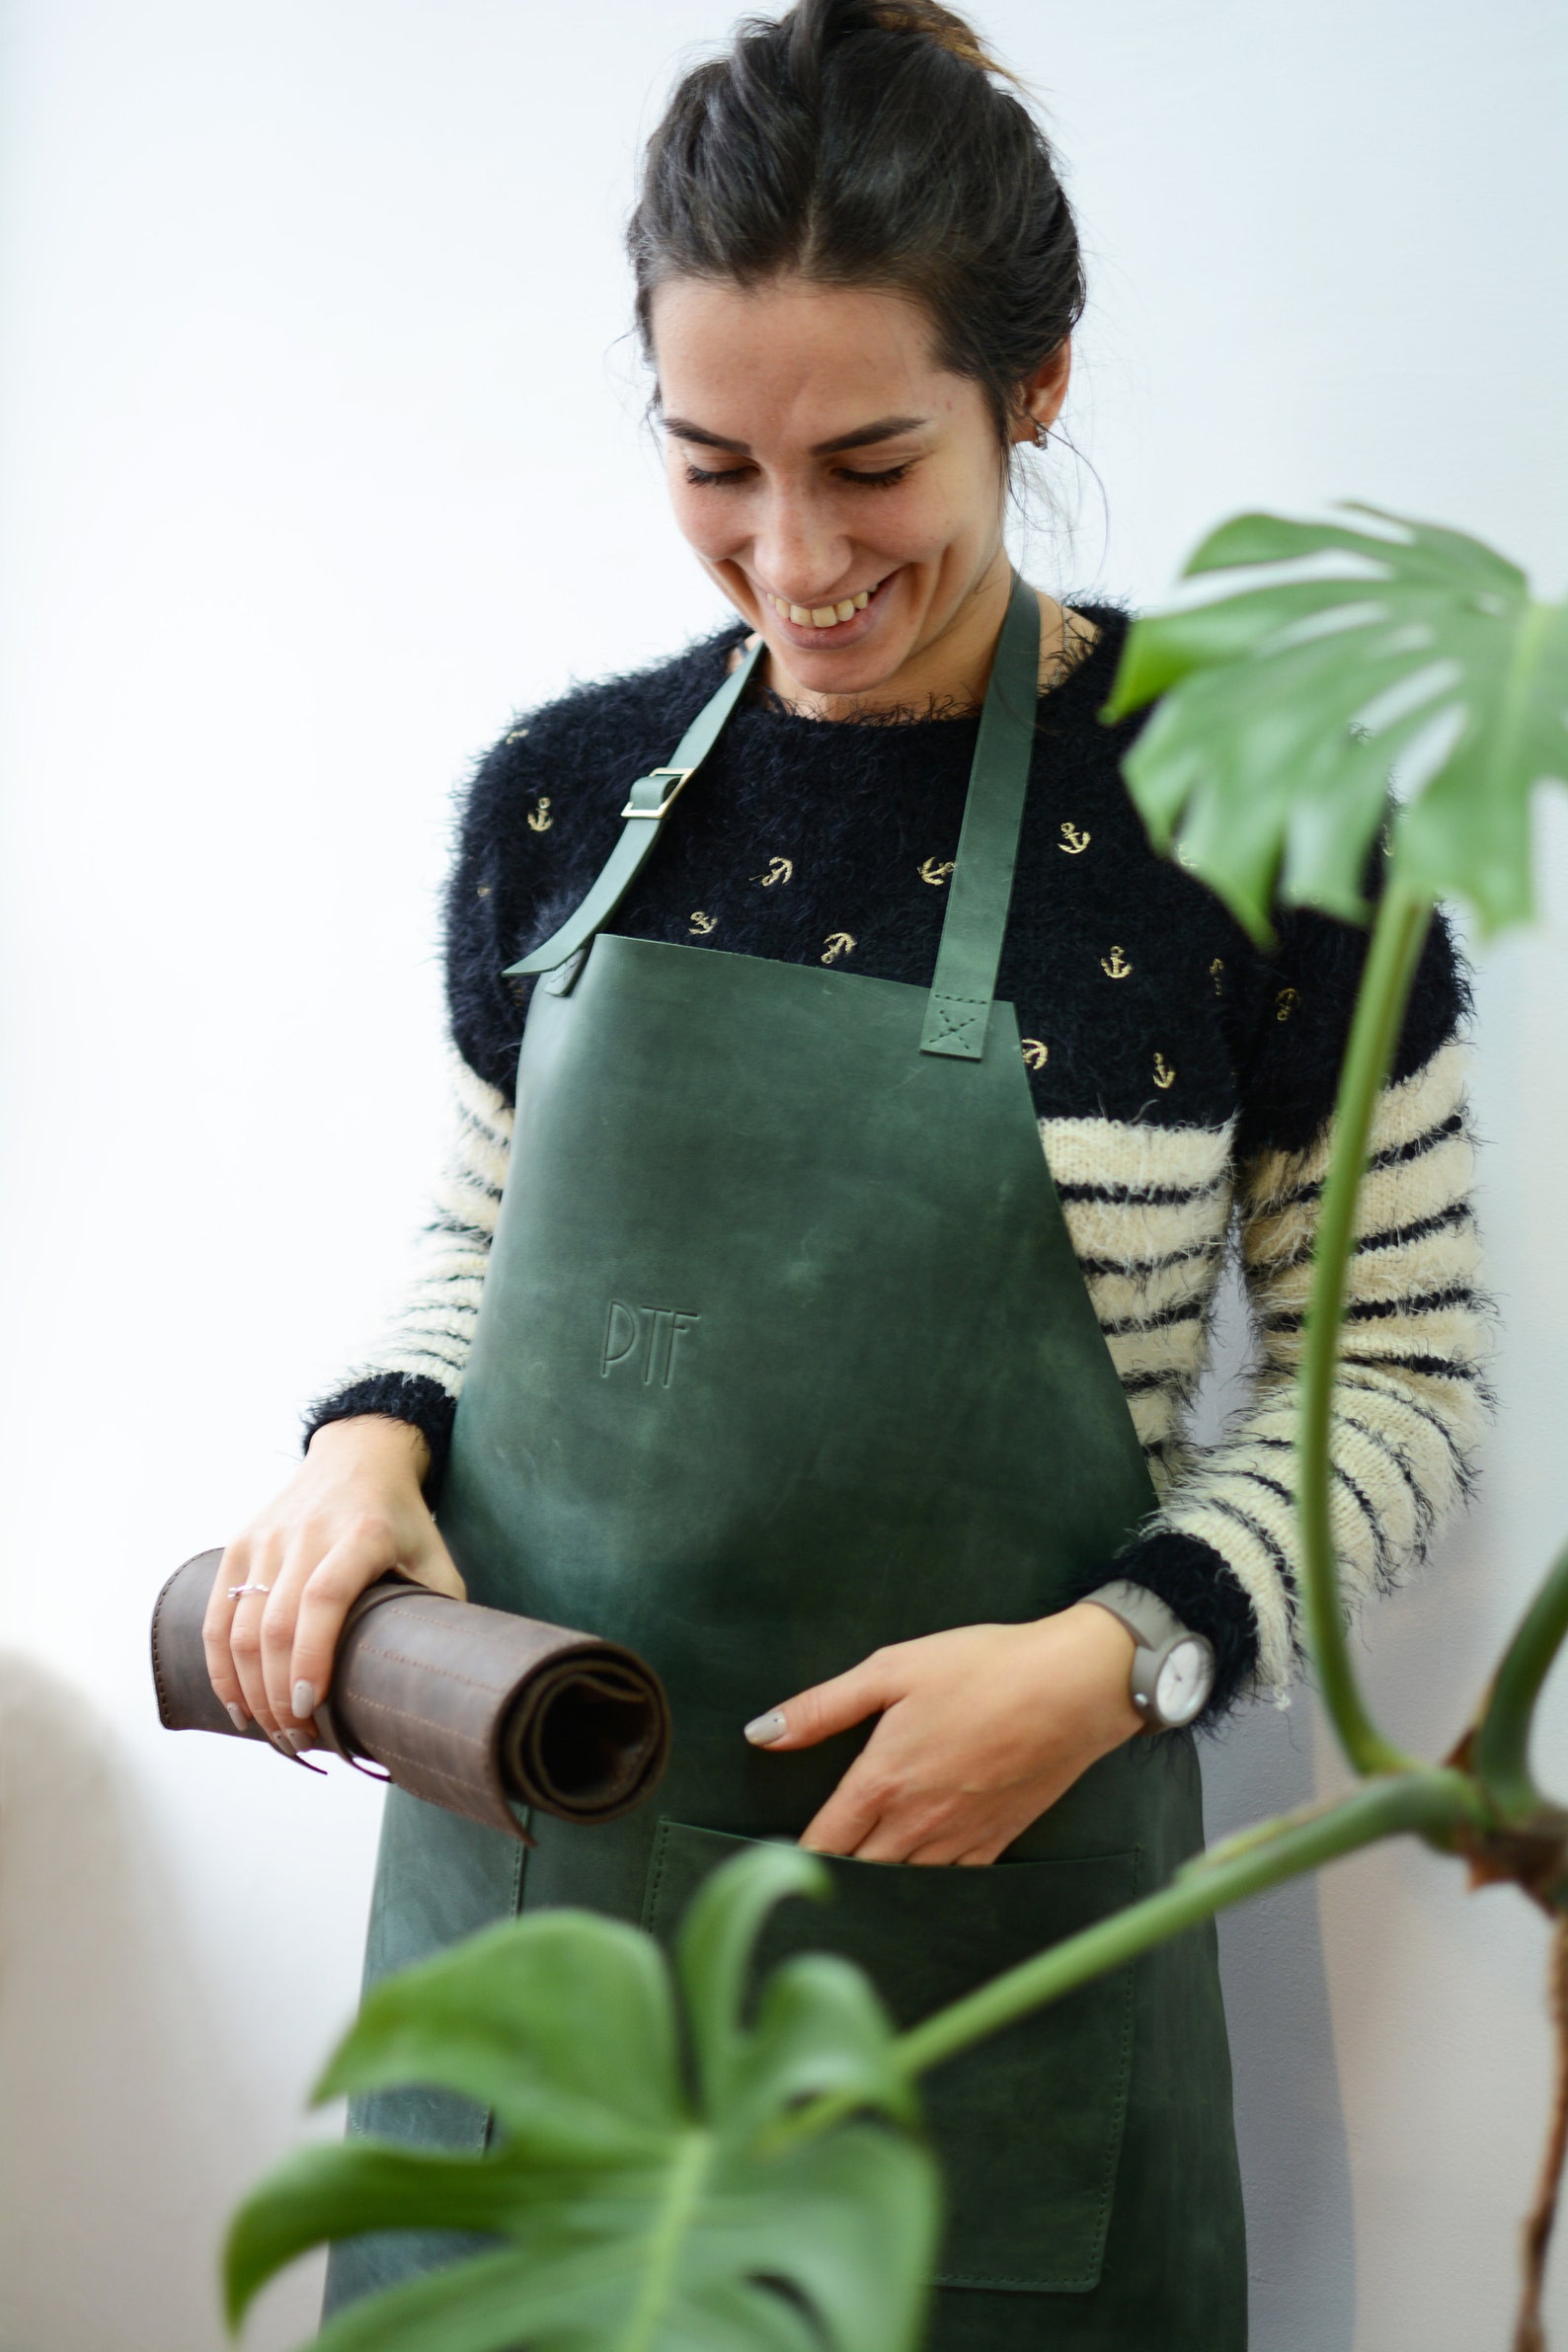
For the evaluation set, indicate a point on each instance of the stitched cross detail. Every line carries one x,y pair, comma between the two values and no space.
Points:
954,1021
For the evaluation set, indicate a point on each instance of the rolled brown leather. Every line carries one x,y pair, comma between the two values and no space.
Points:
471,1709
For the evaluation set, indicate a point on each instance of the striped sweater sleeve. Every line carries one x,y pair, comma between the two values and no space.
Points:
1410,1397
1147,1210
414,1370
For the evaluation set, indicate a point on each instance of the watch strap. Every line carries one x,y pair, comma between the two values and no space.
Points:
1152,1623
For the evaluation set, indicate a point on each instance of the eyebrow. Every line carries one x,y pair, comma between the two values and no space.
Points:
886,429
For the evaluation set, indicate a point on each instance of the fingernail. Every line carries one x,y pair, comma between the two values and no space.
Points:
763,1730
297,1739
238,1717
304,1700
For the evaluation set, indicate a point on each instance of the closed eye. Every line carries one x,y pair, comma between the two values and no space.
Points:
735,473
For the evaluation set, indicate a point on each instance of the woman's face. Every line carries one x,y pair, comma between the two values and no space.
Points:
843,490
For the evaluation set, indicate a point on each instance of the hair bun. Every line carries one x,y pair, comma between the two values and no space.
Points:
815,25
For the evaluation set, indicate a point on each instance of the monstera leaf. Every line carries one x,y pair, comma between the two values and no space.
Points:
1289,698
634,2198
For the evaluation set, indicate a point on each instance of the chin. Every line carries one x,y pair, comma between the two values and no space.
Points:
822,674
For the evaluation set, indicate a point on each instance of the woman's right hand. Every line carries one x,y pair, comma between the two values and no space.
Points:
352,1510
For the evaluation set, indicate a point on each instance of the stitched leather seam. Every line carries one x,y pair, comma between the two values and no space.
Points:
157,1674
1113,2153
425,1769
430,1666
447,1731
157,1647
486,2127
651,1898
1090,2274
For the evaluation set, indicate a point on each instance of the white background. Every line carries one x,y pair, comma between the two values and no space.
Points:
322,455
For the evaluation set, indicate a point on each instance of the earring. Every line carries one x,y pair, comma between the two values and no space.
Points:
1041,436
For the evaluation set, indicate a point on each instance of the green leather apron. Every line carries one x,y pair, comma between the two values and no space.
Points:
784,1354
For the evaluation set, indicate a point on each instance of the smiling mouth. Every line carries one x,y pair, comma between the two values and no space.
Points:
824,616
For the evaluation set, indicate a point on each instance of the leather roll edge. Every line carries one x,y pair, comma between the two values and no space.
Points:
451,1701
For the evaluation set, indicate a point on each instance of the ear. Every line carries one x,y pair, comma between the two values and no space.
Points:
1043,392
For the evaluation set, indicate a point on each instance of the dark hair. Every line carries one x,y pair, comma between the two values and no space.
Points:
864,142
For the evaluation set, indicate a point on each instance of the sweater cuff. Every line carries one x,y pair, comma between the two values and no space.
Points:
402,1396
1192,1579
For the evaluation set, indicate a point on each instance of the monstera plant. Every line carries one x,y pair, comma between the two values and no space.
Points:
679,2162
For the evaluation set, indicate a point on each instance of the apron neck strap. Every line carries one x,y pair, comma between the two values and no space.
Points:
957,1012
647,804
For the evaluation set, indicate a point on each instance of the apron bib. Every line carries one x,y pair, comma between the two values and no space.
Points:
783,1355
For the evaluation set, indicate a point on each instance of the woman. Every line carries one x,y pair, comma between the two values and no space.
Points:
784,1352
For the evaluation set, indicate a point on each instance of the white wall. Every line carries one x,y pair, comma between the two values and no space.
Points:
318,456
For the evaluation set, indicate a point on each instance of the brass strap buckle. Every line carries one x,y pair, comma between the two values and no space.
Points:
681,775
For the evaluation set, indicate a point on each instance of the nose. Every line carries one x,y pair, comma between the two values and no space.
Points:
799,551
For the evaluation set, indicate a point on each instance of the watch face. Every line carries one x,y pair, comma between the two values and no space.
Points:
1183,1682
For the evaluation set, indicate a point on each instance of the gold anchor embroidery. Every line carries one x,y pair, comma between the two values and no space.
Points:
779,869
1036,1054
1073,843
930,871
1114,965
704,923
837,943
1164,1075
1285,1003
1217,973
540,819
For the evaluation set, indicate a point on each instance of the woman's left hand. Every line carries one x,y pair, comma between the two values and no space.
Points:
981,1729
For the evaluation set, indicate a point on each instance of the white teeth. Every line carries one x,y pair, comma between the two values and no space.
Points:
821,616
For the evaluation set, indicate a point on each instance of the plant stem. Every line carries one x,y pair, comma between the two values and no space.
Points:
1427,1799
1529,2333
1395,950
1499,1756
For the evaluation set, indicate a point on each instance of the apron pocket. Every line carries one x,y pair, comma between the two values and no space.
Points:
1027,2124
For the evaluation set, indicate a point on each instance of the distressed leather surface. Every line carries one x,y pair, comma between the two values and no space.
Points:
784,1354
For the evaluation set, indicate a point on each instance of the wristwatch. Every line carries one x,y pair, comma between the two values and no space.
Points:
1173,1670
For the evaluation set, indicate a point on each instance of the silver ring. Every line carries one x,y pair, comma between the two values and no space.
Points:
236,1590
